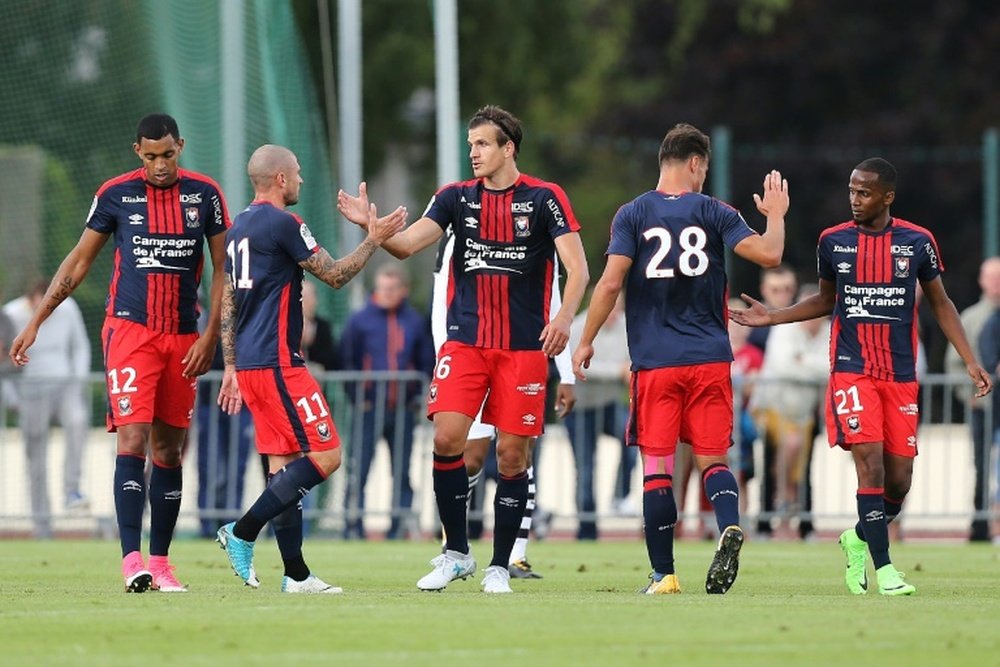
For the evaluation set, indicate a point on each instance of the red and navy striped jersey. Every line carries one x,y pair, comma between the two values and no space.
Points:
159,236
874,328
675,299
263,251
503,262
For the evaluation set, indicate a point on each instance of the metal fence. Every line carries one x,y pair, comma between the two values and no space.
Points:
226,472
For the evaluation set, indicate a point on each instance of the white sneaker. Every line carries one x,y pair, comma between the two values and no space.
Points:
448,567
311,584
496,580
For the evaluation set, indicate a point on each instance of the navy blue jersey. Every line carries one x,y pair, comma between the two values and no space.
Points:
875,318
675,300
159,236
263,251
503,262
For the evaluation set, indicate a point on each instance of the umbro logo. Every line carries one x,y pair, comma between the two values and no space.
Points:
135,219
132,485
844,267
471,222
172,495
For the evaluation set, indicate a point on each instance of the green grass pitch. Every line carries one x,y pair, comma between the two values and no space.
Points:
61,603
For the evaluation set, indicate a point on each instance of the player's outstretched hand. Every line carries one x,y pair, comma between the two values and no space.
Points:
775,200
581,359
230,399
982,380
756,315
384,228
19,347
354,208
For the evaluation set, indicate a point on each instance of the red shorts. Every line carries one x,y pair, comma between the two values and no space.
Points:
860,408
511,382
692,404
290,413
144,375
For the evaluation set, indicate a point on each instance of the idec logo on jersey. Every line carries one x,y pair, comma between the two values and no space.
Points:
522,207
901,250
192,198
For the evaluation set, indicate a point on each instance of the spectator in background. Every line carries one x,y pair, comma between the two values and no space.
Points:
53,388
747,361
989,351
778,286
600,409
318,346
224,443
786,399
974,320
387,334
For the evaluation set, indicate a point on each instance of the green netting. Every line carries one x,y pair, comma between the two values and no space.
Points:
76,78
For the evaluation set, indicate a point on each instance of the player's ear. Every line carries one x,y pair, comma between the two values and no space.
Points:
890,197
180,146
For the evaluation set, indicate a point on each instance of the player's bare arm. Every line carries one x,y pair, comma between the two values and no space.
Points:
602,301
766,249
198,359
410,241
951,324
758,315
555,335
71,272
229,393
338,272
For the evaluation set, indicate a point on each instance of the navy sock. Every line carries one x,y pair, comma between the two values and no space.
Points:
871,511
508,509
720,487
164,506
659,514
130,500
287,528
892,510
288,486
451,490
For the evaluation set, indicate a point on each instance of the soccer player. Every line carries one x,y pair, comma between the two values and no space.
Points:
500,328
869,268
160,216
668,249
267,250
481,435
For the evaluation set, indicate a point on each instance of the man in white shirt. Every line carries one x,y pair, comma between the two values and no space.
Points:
53,387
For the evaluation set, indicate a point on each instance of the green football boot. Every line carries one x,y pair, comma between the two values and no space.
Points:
890,582
856,551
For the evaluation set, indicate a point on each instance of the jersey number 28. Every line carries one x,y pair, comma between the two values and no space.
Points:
692,262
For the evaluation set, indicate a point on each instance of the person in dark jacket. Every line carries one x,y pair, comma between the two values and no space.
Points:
387,334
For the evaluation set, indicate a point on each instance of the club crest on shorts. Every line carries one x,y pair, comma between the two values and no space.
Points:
432,393
854,423
902,267
124,406
192,217
323,431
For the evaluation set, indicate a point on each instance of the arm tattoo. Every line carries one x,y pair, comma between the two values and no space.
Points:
338,272
228,325
60,292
